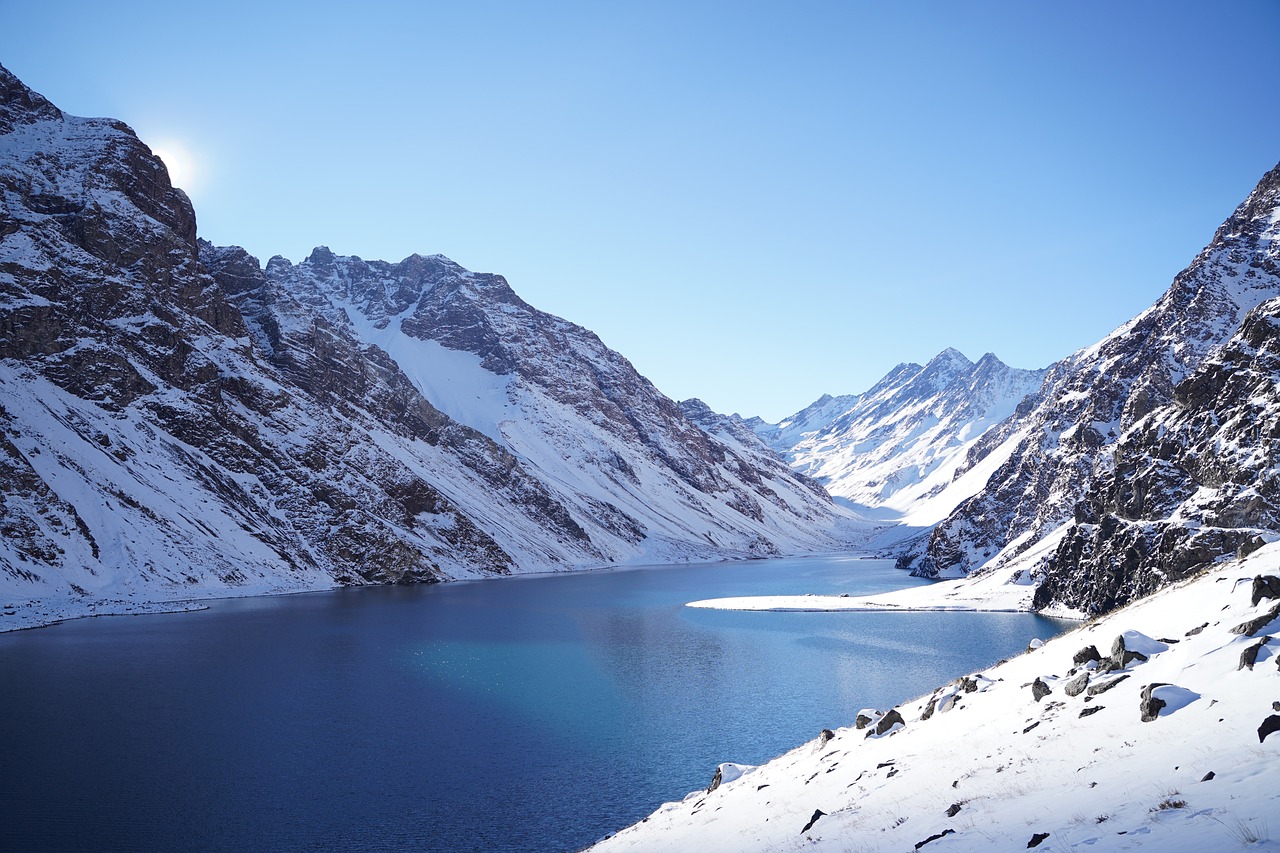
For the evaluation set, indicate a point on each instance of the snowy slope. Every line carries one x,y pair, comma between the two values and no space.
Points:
1051,745
900,446
1063,443
180,423
576,414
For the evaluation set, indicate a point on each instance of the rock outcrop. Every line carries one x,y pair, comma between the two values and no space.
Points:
1151,453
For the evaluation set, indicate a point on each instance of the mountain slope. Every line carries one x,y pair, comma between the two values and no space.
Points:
180,423
595,431
1194,480
898,446
1060,747
1056,448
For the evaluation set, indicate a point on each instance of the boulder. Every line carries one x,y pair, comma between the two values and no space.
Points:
728,772
1150,705
1039,689
887,724
1086,654
1076,686
1249,656
1265,586
1252,626
1132,646
1103,686
1269,725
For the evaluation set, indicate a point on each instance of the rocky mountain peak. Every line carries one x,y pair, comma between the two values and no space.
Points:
903,444
320,256
950,358
20,105
1062,447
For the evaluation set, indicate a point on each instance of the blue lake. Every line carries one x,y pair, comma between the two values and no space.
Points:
516,714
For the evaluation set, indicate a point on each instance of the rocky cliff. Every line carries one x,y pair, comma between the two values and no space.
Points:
180,422
1122,433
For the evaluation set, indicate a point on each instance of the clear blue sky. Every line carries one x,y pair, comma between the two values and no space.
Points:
754,202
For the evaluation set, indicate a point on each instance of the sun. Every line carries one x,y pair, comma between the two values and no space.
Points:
178,160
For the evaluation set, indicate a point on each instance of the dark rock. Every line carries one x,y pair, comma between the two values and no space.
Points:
1039,689
1197,629
1037,839
1269,725
953,810
1086,654
1249,656
817,813
1076,686
715,781
862,721
1104,686
1121,656
1192,412
1265,586
887,722
1093,709
935,837
1030,727
824,736
1206,777
1149,706
1252,626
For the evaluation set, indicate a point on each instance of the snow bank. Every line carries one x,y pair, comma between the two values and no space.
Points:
1051,745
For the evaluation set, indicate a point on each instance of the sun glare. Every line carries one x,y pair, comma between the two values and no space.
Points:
177,159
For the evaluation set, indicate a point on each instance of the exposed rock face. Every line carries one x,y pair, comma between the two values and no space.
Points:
900,445
179,422
1158,421
1194,480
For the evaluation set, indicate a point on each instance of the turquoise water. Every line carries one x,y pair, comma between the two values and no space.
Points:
519,714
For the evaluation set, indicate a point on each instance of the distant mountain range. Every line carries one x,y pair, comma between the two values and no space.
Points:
181,421
1130,464
901,445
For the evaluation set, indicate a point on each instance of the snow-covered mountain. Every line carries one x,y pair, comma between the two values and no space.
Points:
1155,429
181,423
900,446
1153,727
1193,480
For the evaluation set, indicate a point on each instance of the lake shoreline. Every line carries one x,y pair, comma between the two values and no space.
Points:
31,614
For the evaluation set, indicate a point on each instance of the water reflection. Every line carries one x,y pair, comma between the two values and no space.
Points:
516,714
